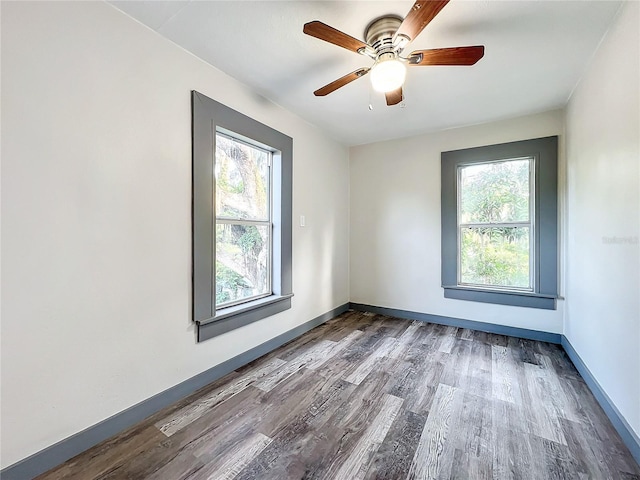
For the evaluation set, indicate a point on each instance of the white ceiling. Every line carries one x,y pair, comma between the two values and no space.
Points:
535,53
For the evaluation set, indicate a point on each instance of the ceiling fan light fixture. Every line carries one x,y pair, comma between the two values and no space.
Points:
386,38
388,74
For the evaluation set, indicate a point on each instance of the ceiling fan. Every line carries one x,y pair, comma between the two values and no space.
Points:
386,37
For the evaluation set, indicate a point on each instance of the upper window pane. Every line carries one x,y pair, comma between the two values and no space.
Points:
242,180
496,192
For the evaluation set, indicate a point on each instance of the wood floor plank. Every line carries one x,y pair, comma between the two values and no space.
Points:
307,442
229,466
556,460
107,456
542,415
472,438
322,332
364,368
525,351
212,433
466,334
457,368
375,397
295,398
188,414
435,453
480,381
505,385
357,463
319,450
470,467
555,390
393,458
179,467
336,349
317,351
325,402
447,340
145,462
405,340
427,379
393,327
513,457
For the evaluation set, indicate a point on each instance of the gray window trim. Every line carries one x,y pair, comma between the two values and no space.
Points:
545,288
209,116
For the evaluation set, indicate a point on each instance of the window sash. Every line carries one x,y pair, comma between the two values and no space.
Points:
473,225
225,220
269,153
269,288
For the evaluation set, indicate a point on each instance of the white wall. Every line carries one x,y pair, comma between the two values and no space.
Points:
96,223
395,222
603,171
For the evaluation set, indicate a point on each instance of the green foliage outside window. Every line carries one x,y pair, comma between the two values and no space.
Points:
242,220
494,221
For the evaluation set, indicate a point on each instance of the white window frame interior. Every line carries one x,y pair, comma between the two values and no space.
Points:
223,220
530,224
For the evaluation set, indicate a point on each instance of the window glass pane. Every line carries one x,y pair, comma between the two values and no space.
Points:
495,256
495,192
242,262
242,180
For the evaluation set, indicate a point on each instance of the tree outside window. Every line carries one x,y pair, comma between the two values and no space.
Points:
243,221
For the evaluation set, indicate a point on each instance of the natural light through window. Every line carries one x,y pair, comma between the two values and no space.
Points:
243,221
495,226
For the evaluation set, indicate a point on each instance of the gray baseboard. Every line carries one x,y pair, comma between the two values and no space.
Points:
459,322
63,450
629,437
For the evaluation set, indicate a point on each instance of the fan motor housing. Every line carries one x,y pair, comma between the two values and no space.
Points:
379,33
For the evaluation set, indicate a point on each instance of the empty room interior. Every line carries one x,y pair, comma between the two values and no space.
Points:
320,240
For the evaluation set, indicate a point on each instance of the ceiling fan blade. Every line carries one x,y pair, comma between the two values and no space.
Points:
420,15
341,82
447,56
329,34
394,97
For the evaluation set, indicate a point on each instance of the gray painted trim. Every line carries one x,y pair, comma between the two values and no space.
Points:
240,319
545,151
629,437
201,200
208,116
63,450
459,322
501,298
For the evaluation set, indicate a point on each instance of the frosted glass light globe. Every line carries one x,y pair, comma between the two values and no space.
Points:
388,75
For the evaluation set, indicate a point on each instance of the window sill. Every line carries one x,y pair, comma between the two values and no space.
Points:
237,316
516,299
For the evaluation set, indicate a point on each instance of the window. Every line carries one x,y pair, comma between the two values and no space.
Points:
242,189
495,224
243,221
499,223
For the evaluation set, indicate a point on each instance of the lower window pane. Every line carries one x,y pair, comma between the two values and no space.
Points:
242,262
495,256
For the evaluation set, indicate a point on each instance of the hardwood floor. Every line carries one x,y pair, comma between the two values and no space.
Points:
372,397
